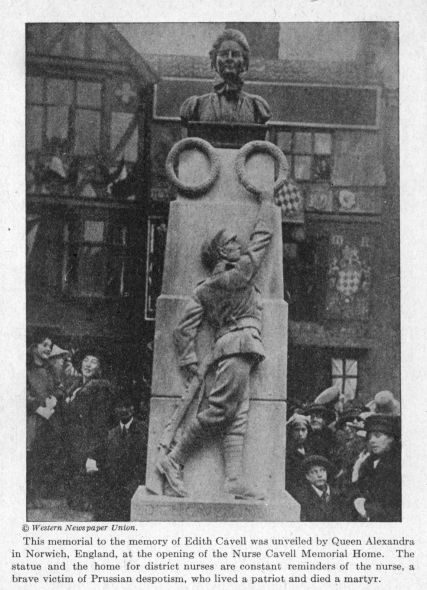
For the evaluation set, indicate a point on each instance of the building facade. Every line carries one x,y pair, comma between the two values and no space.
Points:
102,113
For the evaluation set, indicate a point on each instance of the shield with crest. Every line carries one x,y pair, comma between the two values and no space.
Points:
349,280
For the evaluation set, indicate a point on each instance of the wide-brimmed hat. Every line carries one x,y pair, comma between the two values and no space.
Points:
82,353
384,423
384,402
352,410
313,460
348,416
328,396
355,405
327,413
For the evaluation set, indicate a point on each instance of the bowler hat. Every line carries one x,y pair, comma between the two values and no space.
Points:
384,423
314,460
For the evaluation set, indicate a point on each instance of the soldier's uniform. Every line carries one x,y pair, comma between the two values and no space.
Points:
231,302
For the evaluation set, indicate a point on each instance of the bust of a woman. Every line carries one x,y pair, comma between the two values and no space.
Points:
227,103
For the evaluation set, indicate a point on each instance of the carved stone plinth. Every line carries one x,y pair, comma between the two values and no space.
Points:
227,204
226,135
146,507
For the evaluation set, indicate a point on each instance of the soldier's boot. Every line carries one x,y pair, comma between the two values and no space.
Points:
171,465
173,473
235,484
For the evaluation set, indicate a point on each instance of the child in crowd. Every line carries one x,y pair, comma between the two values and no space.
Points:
318,500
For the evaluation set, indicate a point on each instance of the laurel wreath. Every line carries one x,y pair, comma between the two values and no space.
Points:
260,147
193,190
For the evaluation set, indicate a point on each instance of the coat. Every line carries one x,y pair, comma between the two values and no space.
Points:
346,453
323,443
122,459
41,384
230,301
314,508
294,473
382,487
87,420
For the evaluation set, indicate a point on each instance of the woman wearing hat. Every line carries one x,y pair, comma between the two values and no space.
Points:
384,402
321,439
296,450
87,416
351,442
377,476
43,441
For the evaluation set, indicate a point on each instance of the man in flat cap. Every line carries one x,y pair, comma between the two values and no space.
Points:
377,479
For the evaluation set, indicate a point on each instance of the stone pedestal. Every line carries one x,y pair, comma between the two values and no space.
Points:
191,221
226,135
146,507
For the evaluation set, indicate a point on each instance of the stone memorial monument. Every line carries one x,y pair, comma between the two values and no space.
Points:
216,447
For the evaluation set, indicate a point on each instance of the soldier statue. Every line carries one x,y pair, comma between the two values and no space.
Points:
230,301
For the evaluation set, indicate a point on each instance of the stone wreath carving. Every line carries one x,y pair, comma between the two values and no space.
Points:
193,190
260,147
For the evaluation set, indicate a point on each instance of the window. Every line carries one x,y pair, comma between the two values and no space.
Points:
344,374
77,133
309,373
156,238
66,110
97,258
44,253
309,154
304,268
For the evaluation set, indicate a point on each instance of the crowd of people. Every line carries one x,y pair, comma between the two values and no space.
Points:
85,442
343,460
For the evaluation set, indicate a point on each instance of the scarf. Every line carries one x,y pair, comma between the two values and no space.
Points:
228,88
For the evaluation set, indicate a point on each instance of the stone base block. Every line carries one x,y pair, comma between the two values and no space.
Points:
264,454
149,507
